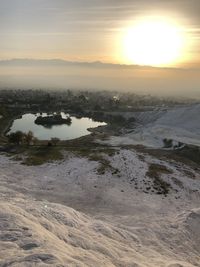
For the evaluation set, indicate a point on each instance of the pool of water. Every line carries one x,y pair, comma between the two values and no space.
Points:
77,128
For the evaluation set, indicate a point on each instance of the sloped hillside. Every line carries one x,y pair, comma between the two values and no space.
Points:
36,233
134,211
181,124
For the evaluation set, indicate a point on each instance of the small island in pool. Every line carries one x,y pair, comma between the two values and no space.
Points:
53,120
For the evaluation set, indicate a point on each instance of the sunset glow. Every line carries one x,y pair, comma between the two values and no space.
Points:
155,42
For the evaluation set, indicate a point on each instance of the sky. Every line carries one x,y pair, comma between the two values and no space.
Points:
90,30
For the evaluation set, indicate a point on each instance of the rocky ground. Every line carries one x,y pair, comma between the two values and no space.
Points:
124,208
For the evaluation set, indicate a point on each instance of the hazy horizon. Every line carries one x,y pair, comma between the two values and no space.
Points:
101,45
60,74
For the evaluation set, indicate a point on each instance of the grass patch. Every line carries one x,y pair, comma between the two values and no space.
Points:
155,171
191,153
85,146
104,164
4,124
93,152
188,155
103,167
18,158
41,155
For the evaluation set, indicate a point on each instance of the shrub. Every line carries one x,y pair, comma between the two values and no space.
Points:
168,143
55,140
29,138
16,138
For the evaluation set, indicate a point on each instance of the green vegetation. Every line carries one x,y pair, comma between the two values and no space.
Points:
3,111
55,141
19,138
188,155
104,164
41,155
55,119
33,155
155,171
5,122
25,148
191,153
16,138
93,152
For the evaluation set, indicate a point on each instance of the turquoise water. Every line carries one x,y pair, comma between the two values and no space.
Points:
77,128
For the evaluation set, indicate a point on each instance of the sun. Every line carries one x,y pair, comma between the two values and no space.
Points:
154,42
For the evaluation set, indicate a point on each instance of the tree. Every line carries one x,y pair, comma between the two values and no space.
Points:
55,140
3,111
16,138
97,107
29,138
